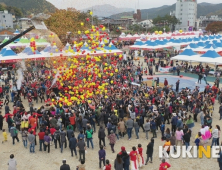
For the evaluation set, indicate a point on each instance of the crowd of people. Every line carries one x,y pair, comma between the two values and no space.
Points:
130,106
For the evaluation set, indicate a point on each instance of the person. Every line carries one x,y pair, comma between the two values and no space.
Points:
215,136
179,135
218,139
82,147
121,127
101,136
199,78
140,155
173,141
165,82
149,151
102,156
125,157
219,159
69,132
164,165
187,137
57,138
153,128
129,126
12,163
89,135
1,120
147,128
167,144
220,111
134,159
205,78
41,135
14,134
190,122
112,140
198,140
174,122
31,140
63,139
64,166
162,129
118,163
108,166
5,136
177,85
47,140
81,166
136,127
72,145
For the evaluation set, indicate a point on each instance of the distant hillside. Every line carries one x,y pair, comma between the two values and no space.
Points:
30,6
202,9
106,10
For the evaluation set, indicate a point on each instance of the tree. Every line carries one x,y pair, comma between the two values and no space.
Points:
166,20
214,27
16,11
63,21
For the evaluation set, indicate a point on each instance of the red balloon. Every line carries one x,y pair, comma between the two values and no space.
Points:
87,19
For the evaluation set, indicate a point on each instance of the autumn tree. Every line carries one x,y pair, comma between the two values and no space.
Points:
214,27
68,21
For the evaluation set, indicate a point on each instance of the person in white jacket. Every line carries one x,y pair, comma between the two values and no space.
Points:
12,163
215,133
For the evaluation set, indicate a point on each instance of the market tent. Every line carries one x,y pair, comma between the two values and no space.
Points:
210,46
47,48
186,55
110,47
201,44
137,45
211,56
193,45
8,52
3,50
67,46
16,32
24,41
42,42
6,39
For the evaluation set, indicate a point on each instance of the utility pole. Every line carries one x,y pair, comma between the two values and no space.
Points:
92,15
147,23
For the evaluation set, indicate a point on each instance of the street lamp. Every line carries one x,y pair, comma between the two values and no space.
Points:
164,27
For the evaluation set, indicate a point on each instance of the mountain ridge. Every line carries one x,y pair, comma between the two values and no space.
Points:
106,10
31,6
203,9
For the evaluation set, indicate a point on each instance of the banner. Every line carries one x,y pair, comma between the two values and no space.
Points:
164,69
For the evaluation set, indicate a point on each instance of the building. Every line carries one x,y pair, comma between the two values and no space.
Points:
146,23
24,23
137,15
6,20
186,12
204,20
121,22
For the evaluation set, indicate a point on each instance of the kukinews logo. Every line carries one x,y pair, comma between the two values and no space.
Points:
189,152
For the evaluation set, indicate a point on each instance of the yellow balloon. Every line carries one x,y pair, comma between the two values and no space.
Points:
90,12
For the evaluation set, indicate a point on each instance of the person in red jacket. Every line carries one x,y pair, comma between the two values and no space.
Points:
164,165
52,131
165,82
72,120
108,166
41,135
